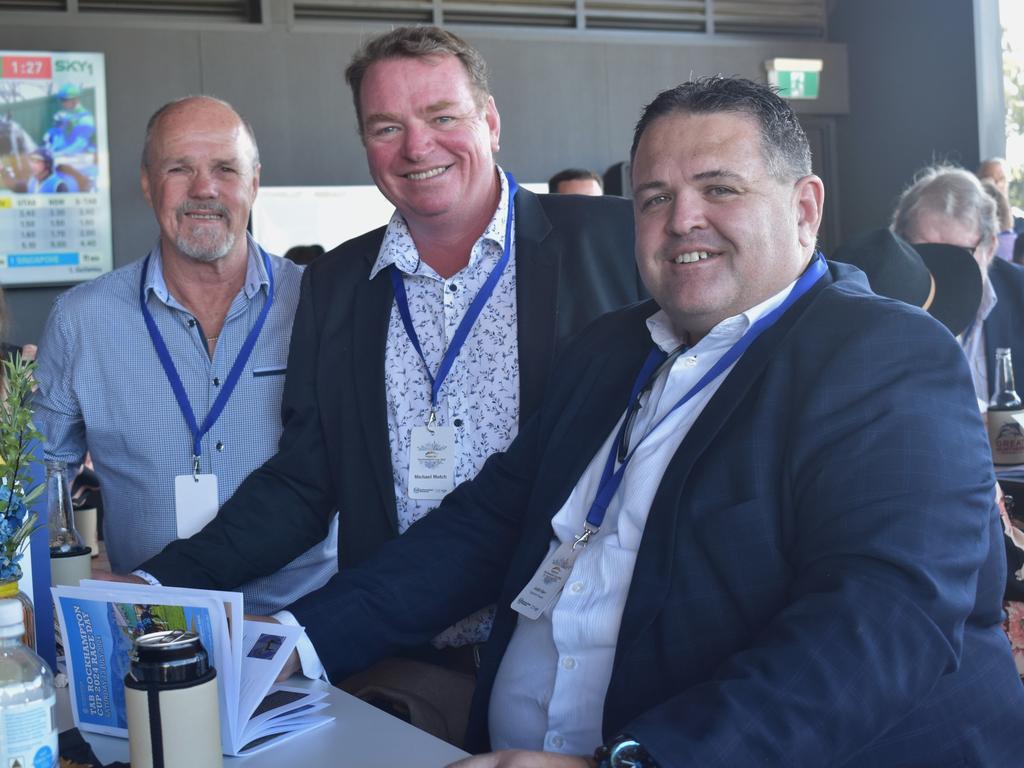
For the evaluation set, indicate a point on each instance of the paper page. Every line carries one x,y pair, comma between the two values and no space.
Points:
265,649
269,740
228,674
98,625
284,704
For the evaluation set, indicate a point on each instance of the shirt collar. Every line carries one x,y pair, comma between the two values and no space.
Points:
255,274
728,331
399,249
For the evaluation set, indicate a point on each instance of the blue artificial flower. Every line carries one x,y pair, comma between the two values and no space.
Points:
12,505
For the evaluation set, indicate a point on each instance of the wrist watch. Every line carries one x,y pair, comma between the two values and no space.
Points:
623,752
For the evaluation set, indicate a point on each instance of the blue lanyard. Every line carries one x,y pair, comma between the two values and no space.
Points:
611,478
198,432
462,332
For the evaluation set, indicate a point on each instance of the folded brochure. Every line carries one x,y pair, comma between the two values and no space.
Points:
99,620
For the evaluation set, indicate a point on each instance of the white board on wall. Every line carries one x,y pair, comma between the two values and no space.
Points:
284,217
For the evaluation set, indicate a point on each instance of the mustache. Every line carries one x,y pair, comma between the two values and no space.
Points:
211,207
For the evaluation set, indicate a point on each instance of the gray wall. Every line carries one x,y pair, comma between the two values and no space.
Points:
914,72
565,98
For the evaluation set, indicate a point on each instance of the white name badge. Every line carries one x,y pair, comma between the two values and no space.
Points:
546,584
431,462
195,502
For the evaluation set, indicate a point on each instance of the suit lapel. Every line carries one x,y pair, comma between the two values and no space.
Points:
371,313
656,559
537,262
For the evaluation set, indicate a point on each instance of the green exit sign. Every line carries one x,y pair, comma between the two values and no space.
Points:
795,78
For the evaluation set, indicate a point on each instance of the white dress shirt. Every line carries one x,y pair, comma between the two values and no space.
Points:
550,688
973,342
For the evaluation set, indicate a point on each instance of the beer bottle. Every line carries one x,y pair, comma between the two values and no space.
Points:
1005,431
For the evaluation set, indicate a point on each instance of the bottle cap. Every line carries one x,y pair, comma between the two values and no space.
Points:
12,619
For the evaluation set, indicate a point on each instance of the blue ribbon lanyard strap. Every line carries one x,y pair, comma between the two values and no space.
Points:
199,431
611,477
466,325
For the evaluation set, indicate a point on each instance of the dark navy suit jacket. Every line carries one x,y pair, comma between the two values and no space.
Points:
1004,327
820,576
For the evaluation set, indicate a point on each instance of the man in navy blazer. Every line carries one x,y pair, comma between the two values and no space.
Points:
802,565
946,204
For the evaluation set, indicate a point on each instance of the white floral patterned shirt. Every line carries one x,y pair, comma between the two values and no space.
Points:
480,395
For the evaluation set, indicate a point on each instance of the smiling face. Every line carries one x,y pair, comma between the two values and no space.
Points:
716,234
201,179
429,142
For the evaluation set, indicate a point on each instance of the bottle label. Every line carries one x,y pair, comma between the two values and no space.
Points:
28,734
1006,436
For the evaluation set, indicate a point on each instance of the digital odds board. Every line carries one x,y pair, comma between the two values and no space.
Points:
54,168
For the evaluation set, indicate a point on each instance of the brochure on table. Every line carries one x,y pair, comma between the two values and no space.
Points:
99,620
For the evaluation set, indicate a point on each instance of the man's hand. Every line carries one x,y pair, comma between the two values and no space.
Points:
521,758
291,667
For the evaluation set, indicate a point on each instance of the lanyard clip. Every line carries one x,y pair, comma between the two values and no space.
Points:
431,421
583,539
195,467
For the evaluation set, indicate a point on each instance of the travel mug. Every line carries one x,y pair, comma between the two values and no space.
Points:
171,697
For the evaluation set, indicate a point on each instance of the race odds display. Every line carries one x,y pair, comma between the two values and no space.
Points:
54,169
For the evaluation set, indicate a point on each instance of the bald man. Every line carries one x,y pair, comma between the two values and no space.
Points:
186,403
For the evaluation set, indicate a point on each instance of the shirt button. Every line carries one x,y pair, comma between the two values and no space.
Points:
577,586
691,361
457,422
191,322
216,381
557,742
569,662
219,446
453,287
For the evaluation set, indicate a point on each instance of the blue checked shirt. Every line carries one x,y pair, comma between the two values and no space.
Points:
102,389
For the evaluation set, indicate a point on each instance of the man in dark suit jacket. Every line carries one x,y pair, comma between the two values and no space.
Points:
946,204
802,566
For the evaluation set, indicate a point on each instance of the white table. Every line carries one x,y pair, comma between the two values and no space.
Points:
361,736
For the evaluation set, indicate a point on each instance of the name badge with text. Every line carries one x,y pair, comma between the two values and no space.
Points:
431,462
546,584
195,502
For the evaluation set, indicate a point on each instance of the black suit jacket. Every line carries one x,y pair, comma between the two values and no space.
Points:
820,574
1004,326
574,261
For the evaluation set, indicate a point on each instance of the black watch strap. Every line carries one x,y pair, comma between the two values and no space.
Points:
623,752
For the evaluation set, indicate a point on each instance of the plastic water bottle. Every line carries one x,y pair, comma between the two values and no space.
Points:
28,713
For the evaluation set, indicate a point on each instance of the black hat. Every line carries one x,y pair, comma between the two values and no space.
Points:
943,280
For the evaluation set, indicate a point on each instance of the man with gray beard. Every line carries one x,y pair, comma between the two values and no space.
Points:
170,370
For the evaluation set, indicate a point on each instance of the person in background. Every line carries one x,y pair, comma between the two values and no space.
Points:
304,254
576,181
946,204
187,402
994,169
420,348
1006,236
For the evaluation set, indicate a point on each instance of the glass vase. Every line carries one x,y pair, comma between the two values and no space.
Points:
10,590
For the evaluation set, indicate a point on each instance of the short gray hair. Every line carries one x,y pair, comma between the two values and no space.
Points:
170,106
951,191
